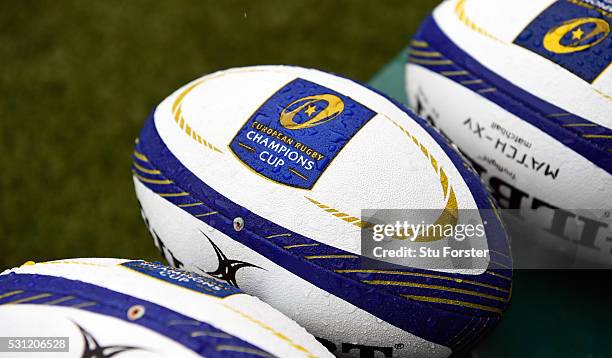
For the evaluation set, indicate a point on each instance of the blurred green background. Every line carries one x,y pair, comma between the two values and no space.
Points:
77,80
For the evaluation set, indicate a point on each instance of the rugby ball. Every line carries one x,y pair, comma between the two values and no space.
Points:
258,176
108,307
524,89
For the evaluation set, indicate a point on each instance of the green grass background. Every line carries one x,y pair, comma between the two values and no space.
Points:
77,80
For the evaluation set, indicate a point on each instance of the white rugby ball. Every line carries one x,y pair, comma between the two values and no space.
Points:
524,89
137,308
258,176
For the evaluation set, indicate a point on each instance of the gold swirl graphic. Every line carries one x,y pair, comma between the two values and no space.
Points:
461,15
552,39
182,123
449,215
334,107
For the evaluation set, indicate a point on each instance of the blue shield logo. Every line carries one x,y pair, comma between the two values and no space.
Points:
574,34
293,136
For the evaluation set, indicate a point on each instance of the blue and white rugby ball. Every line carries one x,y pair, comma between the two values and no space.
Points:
524,89
258,175
112,307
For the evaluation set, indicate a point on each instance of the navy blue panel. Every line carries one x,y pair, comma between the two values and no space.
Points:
115,304
298,131
573,34
189,280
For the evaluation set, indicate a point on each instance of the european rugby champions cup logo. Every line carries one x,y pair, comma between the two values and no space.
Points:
574,34
293,136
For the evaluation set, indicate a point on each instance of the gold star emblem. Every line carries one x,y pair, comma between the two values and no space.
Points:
577,34
310,110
